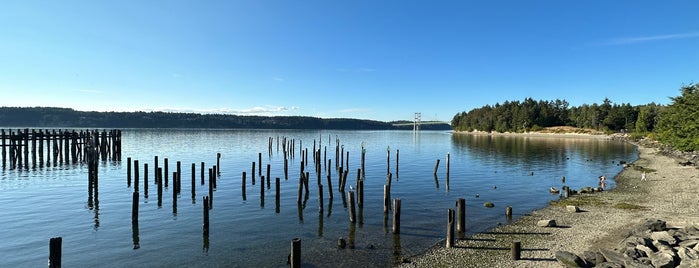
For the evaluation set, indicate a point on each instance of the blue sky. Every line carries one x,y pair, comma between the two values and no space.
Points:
382,60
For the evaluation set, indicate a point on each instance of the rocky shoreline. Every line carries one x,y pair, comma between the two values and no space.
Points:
603,221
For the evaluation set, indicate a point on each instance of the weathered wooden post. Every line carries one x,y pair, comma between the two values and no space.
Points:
360,193
165,170
388,160
155,169
253,173
330,187
174,192
397,155
160,188
508,212
277,195
295,253
461,217
386,198
55,252
448,156
211,189
134,208
4,151
268,175
194,182
218,163
214,176
396,216
320,197
135,175
259,158
450,228
206,216
243,187
128,171
350,195
203,169
516,250
179,176
436,166
145,180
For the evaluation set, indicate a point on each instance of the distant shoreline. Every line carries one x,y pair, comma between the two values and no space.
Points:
541,134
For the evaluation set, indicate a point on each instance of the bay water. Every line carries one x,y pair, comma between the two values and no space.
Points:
50,201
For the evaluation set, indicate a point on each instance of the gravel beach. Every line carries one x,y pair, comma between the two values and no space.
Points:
670,193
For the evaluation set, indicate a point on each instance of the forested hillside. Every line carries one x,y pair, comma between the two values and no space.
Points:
676,124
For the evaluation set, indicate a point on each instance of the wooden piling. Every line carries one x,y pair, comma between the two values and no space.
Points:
55,252
243,187
448,156
128,171
268,175
206,216
194,182
461,217
320,198
516,250
211,189
155,168
166,172
253,173
386,198
134,208
179,177
277,185
436,166
160,188
135,175
145,180
203,170
330,187
175,185
218,162
295,258
450,228
397,155
259,158
214,176
508,212
396,216
360,193
352,216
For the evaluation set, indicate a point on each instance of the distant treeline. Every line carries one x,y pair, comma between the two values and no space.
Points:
64,117
676,124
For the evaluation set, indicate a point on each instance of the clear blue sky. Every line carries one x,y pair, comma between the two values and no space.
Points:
381,60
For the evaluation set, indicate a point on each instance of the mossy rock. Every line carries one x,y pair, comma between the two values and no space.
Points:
488,204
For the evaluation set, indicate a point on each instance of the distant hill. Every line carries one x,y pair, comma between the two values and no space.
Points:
65,117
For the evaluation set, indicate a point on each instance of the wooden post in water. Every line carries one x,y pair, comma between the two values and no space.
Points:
396,216
206,216
388,160
128,171
268,175
448,161
277,186
160,187
508,212
218,163
295,258
203,168
134,209
330,187
194,182
450,228
165,170
214,176
436,166
211,189
175,185
397,155
155,168
461,217
253,173
179,177
4,151
360,193
516,250
136,176
350,196
320,198
145,180
259,158
243,187
55,252
386,198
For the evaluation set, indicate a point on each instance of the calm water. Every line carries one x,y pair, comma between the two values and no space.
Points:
53,201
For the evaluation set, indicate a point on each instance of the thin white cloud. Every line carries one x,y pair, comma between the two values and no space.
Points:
257,110
278,79
641,39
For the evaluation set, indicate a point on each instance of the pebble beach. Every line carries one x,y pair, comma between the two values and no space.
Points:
669,192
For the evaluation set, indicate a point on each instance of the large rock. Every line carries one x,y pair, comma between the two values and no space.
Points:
664,237
663,260
570,260
546,223
572,209
653,225
593,258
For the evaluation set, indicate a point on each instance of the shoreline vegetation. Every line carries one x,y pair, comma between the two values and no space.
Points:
69,118
669,193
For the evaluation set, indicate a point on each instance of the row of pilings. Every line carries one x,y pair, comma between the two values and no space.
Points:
32,148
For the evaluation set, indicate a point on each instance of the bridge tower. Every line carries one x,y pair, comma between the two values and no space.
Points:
416,123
